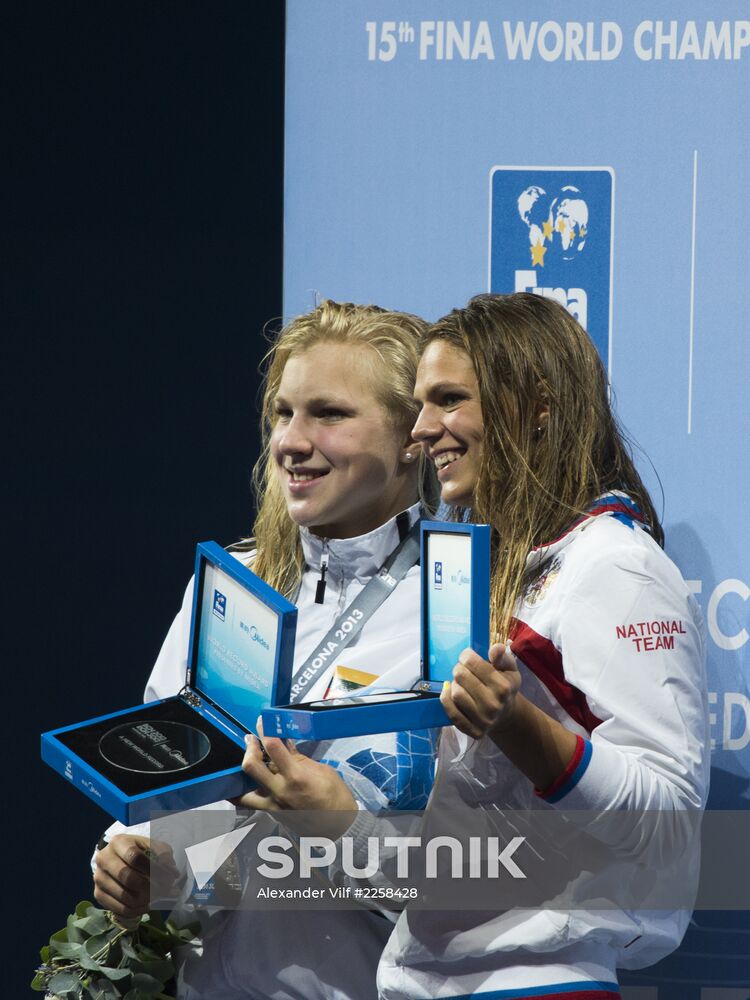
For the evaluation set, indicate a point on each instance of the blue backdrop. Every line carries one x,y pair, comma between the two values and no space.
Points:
597,154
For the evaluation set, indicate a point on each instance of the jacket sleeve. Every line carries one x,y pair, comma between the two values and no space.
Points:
169,674
632,653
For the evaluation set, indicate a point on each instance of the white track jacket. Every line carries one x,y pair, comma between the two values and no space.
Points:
320,955
610,642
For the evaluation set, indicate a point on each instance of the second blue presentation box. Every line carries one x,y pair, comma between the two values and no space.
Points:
455,564
186,751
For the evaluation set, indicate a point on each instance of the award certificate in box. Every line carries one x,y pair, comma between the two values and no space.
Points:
186,751
455,568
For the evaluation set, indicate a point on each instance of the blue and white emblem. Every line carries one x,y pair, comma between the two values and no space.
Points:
220,605
551,231
438,575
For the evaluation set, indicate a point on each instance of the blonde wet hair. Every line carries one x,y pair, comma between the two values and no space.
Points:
393,340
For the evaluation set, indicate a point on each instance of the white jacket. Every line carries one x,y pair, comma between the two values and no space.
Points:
387,647
331,955
610,642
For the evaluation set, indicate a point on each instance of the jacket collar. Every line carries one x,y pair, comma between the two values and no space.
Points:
614,504
360,557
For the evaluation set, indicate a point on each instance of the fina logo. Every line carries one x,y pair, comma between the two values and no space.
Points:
562,221
551,235
220,605
438,576
460,578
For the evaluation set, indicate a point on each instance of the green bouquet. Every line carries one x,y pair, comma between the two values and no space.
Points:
98,956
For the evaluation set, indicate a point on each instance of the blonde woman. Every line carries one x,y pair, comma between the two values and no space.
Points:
584,710
339,485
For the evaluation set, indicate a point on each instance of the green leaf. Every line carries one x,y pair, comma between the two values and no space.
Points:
96,923
147,983
65,949
39,983
63,982
186,933
83,908
73,933
44,954
143,943
106,990
155,934
95,944
114,974
87,962
61,935
162,969
126,944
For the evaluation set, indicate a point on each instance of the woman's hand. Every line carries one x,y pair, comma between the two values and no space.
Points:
130,871
289,782
481,698
484,699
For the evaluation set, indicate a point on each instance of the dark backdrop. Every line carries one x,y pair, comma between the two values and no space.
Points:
141,258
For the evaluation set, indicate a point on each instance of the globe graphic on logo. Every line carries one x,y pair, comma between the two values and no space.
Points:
557,224
571,221
533,207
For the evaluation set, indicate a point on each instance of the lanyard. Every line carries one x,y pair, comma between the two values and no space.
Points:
352,619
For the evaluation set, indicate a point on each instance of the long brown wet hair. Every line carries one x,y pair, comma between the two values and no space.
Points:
537,476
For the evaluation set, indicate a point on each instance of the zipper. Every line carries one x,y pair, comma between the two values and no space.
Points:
320,590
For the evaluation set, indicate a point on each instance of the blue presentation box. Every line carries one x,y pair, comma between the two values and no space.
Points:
455,561
186,751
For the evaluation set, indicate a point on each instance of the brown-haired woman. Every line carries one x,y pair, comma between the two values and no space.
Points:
596,702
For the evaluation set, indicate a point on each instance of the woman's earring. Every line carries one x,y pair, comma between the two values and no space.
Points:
408,456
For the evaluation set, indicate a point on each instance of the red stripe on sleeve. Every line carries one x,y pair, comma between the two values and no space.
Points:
545,660
563,778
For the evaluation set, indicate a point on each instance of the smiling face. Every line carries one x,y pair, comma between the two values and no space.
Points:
339,459
450,425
